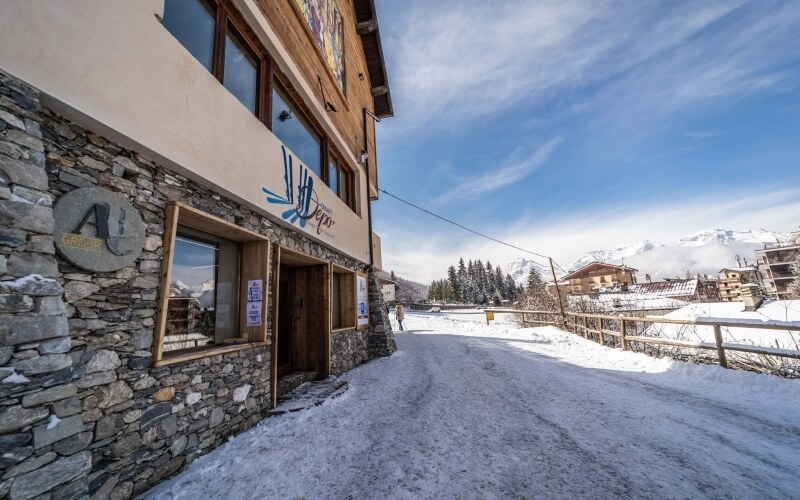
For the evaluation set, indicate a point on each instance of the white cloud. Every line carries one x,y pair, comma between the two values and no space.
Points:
423,254
515,168
464,59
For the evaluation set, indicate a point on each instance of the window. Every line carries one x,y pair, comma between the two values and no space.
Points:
203,292
209,32
241,72
193,24
295,133
341,180
212,297
343,299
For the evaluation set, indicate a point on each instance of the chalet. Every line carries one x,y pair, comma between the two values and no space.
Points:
731,281
597,276
185,195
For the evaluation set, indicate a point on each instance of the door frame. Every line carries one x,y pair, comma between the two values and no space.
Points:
294,257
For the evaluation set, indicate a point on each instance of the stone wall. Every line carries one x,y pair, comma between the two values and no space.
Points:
83,410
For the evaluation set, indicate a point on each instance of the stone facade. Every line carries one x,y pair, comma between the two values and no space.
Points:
84,413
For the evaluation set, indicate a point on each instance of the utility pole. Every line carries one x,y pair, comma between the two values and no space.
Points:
558,293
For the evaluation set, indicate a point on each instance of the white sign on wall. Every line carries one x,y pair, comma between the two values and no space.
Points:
388,292
362,305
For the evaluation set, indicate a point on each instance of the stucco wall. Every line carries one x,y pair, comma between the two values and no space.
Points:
112,65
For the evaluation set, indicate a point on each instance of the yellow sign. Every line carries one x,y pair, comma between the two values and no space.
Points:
489,316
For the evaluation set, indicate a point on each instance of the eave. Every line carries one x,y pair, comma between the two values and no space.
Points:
367,28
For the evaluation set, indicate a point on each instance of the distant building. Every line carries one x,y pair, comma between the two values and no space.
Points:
731,281
598,276
774,264
687,290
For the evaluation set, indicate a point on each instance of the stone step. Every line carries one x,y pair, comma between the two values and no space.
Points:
291,381
308,395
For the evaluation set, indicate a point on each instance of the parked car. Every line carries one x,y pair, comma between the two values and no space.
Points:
435,310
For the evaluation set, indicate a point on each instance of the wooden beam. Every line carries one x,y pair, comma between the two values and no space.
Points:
168,244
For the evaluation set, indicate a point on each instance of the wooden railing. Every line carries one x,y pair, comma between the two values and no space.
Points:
603,326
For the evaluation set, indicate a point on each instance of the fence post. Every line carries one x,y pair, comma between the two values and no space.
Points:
524,323
720,351
585,327
622,333
602,337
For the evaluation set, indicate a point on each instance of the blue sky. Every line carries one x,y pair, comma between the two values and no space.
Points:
571,125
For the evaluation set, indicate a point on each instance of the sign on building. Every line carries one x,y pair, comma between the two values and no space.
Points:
97,229
388,292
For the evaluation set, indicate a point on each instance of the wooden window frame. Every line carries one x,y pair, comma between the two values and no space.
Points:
228,18
335,269
255,254
349,185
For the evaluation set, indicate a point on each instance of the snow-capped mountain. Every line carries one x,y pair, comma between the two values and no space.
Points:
704,252
616,254
520,267
727,236
204,292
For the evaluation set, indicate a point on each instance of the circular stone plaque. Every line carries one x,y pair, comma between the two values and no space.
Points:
97,229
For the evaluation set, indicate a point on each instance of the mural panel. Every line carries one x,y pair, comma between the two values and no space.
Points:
327,28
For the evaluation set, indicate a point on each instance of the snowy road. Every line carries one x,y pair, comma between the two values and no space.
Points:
469,411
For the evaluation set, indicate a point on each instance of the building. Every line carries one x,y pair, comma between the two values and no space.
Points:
597,276
185,191
685,290
774,264
731,281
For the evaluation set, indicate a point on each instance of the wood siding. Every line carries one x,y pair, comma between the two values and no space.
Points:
349,118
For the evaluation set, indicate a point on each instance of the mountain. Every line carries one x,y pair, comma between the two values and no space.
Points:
616,254
727,237
704,252
520,267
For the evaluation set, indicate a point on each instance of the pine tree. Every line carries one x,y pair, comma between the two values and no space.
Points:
511,287
452,282
535,282
499,283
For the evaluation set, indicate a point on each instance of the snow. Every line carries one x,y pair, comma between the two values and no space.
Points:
785,312
15,378
20,282
703,252
53,422
465,410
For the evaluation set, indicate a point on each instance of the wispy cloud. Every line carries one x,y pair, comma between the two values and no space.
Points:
515,168
640,57
425,255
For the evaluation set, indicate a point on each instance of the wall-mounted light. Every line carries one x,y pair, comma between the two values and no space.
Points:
364,157
361,76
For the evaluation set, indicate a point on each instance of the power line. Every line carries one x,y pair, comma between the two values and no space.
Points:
470,230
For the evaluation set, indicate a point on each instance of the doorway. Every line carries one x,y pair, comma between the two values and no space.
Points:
303,338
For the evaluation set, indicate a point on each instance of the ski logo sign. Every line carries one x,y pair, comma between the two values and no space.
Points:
302,198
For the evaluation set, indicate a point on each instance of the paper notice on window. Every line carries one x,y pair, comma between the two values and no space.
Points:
363,301
254,313
255,290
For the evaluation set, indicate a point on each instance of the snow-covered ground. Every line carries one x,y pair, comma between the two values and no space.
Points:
469,411
778,311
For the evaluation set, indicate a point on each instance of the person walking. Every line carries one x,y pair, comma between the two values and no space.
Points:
399,315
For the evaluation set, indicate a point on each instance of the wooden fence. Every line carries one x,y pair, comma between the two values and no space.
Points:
601,326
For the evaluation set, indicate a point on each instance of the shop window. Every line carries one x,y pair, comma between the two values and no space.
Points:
203,292
209,31
343,299
291,128
212,297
